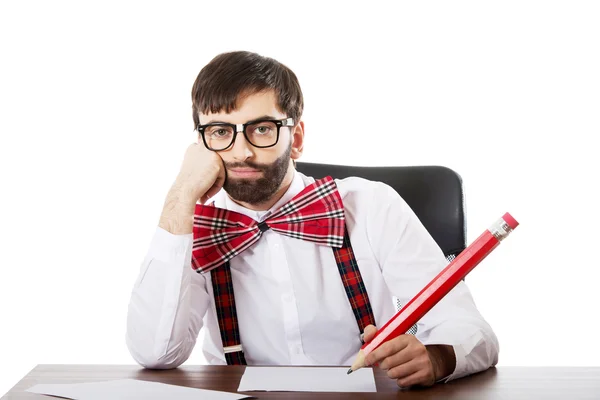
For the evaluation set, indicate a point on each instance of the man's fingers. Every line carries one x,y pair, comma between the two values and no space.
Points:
212,191
369,333
403,370
421,377
217,184
382,352
401,357
387,349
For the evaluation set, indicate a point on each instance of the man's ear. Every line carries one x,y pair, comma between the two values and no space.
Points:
297,141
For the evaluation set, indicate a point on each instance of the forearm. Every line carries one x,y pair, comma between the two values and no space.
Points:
177,216
443,360
201,176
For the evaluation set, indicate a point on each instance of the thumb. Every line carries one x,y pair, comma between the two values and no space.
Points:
369,334
215,188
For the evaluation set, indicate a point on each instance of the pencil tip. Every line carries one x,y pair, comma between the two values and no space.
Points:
349,371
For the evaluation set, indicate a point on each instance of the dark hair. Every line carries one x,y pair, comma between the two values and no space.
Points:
228,76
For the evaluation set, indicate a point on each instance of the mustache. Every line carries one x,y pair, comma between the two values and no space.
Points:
247,164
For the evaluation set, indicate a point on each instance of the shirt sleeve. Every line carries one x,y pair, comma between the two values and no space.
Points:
167,304
410,258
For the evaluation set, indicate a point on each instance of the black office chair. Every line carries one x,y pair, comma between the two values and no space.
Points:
434,193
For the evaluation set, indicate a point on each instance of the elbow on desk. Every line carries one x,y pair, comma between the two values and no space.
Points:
494,350
487,354
151,358
155,363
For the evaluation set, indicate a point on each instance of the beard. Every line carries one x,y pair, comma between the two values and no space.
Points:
261,190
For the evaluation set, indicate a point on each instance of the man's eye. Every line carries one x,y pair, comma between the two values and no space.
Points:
219,132
263,129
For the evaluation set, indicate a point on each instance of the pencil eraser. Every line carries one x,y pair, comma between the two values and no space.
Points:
510,221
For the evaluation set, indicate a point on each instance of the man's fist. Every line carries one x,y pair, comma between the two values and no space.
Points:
202,173
407,360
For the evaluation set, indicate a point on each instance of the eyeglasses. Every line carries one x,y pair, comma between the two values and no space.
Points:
260,133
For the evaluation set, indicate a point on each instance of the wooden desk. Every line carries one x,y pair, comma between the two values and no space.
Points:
496,383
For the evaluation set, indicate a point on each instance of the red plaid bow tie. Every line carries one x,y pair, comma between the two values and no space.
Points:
315,214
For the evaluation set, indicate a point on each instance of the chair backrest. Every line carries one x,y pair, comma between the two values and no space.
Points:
434,193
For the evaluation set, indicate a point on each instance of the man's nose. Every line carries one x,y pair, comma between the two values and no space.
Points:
241,149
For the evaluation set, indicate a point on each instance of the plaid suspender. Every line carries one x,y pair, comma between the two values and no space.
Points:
226,311
227,314
354,285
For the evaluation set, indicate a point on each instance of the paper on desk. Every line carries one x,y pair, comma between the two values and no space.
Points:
129,389
307,379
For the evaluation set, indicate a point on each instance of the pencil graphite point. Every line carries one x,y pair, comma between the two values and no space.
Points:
358,363
349,371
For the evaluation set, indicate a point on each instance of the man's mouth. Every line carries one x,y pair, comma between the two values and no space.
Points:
244,172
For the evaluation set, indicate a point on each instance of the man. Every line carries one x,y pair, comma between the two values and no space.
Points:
290,303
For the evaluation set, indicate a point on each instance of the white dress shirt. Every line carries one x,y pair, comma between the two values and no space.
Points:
291,305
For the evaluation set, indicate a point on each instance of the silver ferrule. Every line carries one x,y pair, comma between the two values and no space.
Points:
500,229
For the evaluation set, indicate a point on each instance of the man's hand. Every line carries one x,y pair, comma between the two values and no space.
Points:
201,176
409,362
202,173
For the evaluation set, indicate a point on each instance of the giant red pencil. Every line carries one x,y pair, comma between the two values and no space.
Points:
439,286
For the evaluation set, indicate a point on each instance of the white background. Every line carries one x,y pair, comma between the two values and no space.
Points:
95,116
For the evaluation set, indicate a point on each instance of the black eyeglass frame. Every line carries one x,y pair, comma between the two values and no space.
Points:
242,128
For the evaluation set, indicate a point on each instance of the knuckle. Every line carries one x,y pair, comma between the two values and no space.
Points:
392,374
403,382
420,351
385,348
423,364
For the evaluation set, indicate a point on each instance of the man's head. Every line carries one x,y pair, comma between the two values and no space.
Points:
246,88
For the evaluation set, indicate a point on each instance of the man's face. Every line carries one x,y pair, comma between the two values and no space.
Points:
254,175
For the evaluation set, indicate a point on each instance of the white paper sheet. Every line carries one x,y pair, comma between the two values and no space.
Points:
129,389
307,379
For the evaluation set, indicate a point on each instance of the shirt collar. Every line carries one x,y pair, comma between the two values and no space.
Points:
295,187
